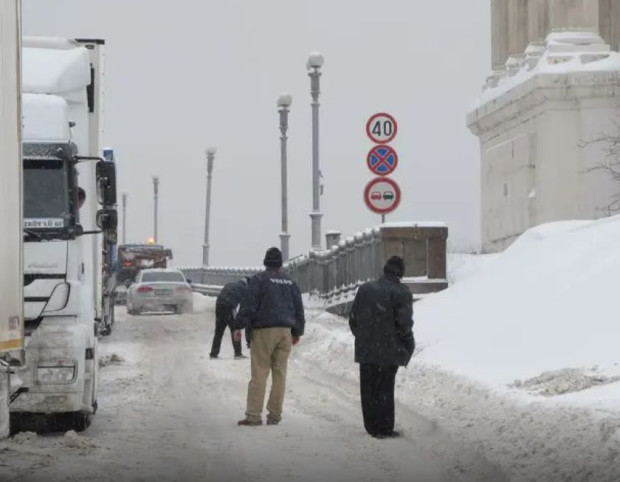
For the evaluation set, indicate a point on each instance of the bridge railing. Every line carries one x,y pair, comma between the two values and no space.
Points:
333,275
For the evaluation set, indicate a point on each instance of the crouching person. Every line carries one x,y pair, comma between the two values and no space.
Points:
225,305
274,312
381,320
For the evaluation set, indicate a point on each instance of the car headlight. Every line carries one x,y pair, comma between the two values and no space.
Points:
58,299
63,371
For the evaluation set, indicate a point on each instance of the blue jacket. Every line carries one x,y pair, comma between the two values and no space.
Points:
273,300
232,294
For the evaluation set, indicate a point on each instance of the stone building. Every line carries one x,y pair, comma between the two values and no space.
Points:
554,88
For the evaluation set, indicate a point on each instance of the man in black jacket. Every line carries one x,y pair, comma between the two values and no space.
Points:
381,320
274,311
227,301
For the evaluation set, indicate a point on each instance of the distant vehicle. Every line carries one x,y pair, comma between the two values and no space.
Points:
388,195
160,290
131,259
375,196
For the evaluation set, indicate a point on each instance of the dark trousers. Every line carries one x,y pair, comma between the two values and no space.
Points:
223,318
248,336
377,393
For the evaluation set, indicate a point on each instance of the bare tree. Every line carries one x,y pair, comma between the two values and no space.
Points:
609,164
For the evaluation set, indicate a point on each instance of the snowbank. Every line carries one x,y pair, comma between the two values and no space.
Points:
203,303
520,359
463,265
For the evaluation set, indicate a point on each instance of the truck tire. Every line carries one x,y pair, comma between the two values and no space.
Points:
81,421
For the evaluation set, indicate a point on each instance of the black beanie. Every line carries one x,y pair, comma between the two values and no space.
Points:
395,266
273,258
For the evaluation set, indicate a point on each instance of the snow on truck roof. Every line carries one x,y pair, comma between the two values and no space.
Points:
55,71
59,43
44,118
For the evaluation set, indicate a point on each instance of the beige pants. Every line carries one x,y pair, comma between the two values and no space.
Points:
269,350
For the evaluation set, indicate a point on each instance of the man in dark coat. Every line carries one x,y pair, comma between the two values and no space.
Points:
274,311
381,320
227,302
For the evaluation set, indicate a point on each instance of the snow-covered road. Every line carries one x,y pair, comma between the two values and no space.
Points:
167,412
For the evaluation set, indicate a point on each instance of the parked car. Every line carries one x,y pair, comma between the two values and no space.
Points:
160,290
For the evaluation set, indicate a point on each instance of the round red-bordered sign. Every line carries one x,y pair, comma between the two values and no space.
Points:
381,128
382,195
382,160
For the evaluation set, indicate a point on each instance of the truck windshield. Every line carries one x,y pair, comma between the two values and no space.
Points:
46,195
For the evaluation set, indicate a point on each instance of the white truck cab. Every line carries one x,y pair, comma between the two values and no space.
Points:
63,236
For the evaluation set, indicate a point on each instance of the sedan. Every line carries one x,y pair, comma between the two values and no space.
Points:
160,290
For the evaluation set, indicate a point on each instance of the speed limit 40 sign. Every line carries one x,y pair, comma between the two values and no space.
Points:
381,128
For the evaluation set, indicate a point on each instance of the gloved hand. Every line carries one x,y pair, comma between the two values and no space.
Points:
295,340
237,335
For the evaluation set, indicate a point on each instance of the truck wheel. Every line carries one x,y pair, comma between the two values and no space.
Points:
81,421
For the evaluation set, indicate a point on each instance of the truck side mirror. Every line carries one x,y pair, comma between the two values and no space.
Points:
107,219
106,183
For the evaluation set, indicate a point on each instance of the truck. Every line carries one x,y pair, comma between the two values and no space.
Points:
131,259
62,115
11,242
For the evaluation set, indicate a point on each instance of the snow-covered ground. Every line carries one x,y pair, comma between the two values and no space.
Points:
520,357
516,376
167,412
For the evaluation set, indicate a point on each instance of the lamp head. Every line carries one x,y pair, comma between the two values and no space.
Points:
315,60
285,100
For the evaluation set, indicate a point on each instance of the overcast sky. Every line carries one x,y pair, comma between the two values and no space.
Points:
183,75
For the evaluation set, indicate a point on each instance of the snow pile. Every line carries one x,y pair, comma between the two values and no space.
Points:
464,265
74,441
561,53
203,303
22,438
567,380
111,359
547,303
521,359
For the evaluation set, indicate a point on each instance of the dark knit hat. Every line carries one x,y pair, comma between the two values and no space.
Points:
395,266
273,258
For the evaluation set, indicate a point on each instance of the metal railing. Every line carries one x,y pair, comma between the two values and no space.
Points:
334,275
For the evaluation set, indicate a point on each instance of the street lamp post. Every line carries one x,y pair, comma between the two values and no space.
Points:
314,64
124,218
155,199
284,102
205,247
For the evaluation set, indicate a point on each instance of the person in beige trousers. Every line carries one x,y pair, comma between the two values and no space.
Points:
274,311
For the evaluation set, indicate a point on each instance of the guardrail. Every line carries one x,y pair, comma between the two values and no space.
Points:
333,275
209,290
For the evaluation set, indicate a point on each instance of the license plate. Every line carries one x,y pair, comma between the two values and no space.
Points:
163,292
